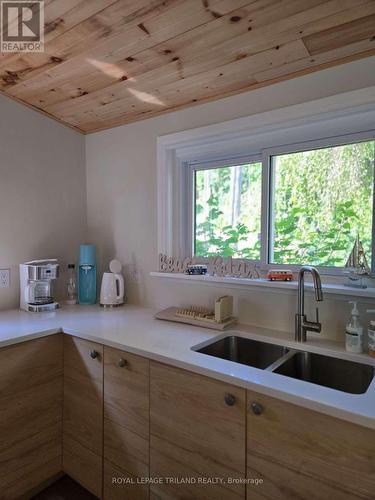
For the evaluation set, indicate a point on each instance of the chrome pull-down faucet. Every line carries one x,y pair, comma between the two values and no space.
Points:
301,324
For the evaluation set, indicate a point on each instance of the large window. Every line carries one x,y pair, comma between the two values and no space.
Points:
228,211
321,200
296,206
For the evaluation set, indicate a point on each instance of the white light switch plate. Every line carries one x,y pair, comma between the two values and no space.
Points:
4,278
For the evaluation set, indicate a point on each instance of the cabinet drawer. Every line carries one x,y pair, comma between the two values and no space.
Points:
126,419
83,412
197,432
83,465
31,390
282,483
119,485
306,453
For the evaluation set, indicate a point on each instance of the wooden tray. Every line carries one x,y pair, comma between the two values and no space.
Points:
169,315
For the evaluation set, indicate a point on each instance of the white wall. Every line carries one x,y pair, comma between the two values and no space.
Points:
121,190
42,192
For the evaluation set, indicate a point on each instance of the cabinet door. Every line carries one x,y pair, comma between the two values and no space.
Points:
126,425
31,388
300,453
197,441
83,412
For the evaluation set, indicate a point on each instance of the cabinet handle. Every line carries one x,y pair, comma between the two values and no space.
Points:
121,363
257,408
230,399
94,354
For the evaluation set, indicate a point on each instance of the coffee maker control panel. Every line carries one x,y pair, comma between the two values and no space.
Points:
35,285
42,269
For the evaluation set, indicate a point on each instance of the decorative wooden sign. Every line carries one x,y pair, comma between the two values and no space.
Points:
173,264
217,266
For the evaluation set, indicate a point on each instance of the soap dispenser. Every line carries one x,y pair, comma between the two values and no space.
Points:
371,335
354,331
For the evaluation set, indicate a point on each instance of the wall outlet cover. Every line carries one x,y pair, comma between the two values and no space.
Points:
4,278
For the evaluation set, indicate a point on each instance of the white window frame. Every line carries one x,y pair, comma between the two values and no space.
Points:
265,157
345,139
192,168
309,126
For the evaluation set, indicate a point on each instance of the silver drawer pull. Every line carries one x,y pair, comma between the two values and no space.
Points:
230,399
257,408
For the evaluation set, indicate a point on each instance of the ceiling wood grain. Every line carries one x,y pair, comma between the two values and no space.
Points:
109,62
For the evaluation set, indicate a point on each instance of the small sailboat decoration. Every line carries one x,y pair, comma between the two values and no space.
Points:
358,266
357,260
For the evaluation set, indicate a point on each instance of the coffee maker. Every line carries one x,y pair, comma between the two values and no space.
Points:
35,285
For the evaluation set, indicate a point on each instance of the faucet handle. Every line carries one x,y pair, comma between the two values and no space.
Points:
318,324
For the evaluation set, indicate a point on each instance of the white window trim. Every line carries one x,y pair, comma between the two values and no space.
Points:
191,169
319,122
268,175
335,289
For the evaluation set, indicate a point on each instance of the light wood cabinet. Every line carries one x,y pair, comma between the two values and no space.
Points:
303,454
126,425
111,420
31,389
83,413
197,434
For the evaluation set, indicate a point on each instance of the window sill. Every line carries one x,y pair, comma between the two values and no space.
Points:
338,290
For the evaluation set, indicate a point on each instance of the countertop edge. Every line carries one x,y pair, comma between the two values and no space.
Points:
362,418
30,336
313,405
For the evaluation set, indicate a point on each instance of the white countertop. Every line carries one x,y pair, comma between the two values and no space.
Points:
134,329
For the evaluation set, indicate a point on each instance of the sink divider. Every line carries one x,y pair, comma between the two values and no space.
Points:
280,361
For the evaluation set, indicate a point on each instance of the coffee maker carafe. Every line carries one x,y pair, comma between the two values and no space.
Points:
35,285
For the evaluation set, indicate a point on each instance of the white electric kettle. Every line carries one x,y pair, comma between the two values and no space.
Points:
113,287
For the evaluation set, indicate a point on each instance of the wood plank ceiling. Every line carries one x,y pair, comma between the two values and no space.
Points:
109,62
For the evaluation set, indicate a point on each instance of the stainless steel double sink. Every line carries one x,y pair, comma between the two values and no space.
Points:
340,374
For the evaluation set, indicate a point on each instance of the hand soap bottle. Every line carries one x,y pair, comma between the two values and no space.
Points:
354,331
371,335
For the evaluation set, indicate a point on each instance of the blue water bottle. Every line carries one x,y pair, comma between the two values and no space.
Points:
87,275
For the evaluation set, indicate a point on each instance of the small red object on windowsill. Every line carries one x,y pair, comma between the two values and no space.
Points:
280,275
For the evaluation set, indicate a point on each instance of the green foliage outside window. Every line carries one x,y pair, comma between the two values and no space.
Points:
321,199
228,211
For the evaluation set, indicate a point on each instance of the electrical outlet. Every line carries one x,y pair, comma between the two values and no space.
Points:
4,278
133,274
